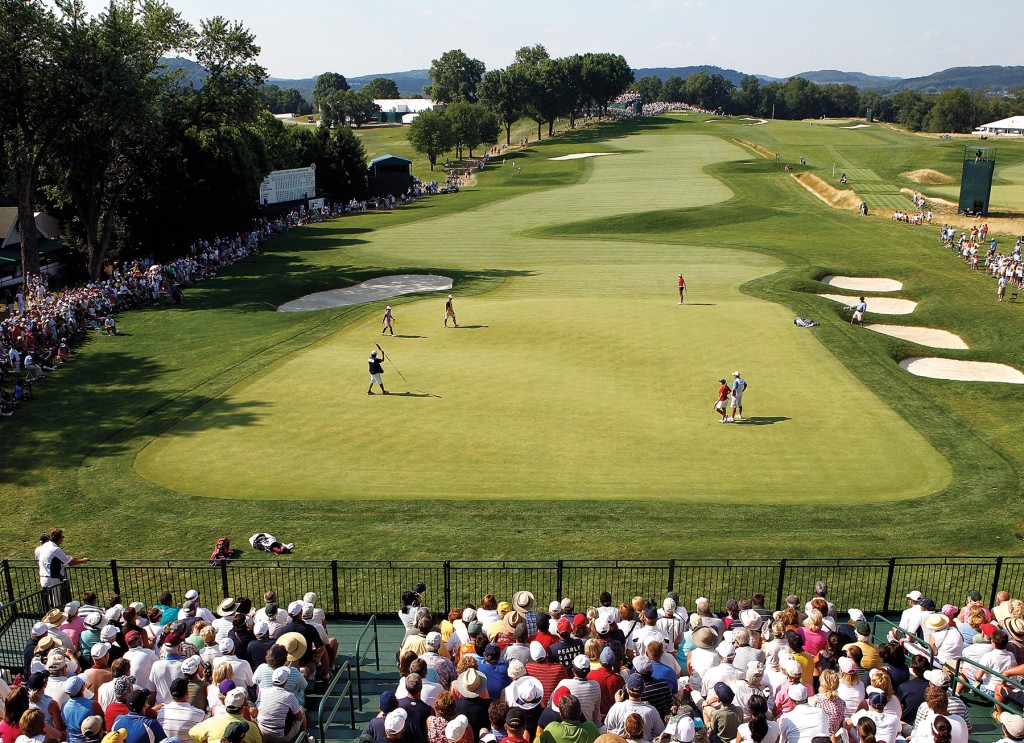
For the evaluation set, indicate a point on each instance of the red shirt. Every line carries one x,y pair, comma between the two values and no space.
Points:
549,674
544,638
610,683
113,711
723,392
681,282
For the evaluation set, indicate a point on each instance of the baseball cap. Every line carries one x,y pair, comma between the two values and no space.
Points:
468,615
492,652
862,628
635,682
564,625
226,645
235,699
642,664
797,692
281,676
581,663
856,615
735,373
433,641
926,604
579,620
537,651
295,608
847,665
191,595
236,731
92,726
602,625
681,729
878,699
39,629
132,636
724,693
474,627
261,628
516,669
555,607
74,685
388,701
914,595
117,736
504,607
99,650
456,729
972,595
1014,724
607,656
935,677
190,665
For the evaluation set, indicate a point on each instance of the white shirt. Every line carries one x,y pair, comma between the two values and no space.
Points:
910,619
803,723
45,553
589,694
274,703
428,694
242,669
923,730
161,675
177,718
223,625
141,660
700,661
998,661
618,712
774,732
887,725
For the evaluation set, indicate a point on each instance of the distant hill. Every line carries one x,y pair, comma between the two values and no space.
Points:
194,74
734,76
838,77
410,83
995,78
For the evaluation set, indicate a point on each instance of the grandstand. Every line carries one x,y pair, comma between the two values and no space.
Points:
572,620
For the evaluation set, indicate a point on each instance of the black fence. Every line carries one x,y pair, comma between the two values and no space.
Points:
354,588
17,617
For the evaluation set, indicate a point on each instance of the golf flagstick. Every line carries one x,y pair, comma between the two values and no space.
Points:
391,362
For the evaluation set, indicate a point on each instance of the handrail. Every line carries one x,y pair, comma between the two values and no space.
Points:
323,719
358,657
975,688
915,639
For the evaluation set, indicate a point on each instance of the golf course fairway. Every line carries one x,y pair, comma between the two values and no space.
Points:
578,377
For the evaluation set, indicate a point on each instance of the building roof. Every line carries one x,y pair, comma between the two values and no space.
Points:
1014,122
47,226
389,159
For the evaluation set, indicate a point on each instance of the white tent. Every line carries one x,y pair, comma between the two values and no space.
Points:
404,105
47,226
1011,127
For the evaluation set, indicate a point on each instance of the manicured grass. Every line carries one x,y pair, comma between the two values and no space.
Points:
588,390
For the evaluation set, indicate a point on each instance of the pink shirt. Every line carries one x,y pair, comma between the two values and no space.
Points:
814,641
74,629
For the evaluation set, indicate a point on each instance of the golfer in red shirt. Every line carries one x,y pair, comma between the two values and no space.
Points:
722,406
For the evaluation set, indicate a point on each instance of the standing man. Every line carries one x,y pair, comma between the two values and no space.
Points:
682,288
739,385
858,312
52,562
388,321
449,311
722,406
376,374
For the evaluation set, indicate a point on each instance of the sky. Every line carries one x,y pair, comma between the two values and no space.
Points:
778,38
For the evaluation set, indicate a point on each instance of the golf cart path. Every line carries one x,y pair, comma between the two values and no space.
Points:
372,290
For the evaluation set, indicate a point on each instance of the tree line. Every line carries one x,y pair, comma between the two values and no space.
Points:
956,110
97,131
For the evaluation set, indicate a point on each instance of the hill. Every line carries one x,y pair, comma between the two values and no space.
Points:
194,74
734,76
838,77
410,83
995,78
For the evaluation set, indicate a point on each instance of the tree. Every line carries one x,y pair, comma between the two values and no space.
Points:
954,111
674,90
506,92
381,88
328,83
911,108
472,125
748,97
531,56
648,88
604,77
288,100
548,97
454,77
344,105
431,134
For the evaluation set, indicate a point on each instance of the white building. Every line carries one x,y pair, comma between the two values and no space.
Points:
1011,127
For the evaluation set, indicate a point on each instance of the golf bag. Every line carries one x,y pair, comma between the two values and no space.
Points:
222,553
268,543
805,322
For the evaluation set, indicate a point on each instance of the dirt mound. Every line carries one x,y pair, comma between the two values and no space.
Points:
762,151
828,193
928,176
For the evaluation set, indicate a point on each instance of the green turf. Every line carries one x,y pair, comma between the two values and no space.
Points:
571,266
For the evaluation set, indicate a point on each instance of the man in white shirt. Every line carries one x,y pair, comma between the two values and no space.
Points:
274,704
803,723
628,701
910,619
242,669
178,717
53,560
887,724
998,659
587,692
224,622
141,660
164,671
205,614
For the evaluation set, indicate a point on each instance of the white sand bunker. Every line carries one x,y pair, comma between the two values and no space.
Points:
931,337
962,371
756,121
862,284
383,287
711,121
877,305
581,155
857,126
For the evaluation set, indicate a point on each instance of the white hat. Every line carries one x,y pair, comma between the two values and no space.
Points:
261,628
602,625
555,606
39,629
226,645
72,608
581,662
936,677
468,615
190,665
191,595
537,651
914,595
388,307
792,668
108,633
680,729
856,615
99,650
798,692
735,373
295,608
669,605
113,614
433,640
456,729
235,699
281,676
526,692
394,723
449,296
310,598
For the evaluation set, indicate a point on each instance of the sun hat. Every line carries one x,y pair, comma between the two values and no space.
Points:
798,692
936,622
516,669
705,638
609,738
523,600
456,730
54,616
227,607
526,692
394,722
56,660
190,665
470,683
750,618
280,676
294,644
235,699
1015,628
537,651
935,677
1014,724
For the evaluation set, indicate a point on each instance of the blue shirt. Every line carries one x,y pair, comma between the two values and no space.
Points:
74,712
738,385
497,678
140,729
664,673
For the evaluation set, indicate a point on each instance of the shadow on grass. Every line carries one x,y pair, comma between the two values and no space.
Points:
763,420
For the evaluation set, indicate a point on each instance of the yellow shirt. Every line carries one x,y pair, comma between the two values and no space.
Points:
212,730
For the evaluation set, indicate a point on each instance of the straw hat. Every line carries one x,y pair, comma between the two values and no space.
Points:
705,637
936,622
294,644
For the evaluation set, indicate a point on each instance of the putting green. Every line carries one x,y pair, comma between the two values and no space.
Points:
579,377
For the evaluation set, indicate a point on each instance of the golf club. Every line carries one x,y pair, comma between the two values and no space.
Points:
391,362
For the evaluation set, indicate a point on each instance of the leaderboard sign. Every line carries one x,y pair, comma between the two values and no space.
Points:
288,185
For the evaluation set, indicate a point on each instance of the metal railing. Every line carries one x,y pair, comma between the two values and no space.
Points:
325,718
888,626
358,657
351,588
17,617
977,689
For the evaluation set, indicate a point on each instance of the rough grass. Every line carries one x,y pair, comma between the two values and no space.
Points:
834,197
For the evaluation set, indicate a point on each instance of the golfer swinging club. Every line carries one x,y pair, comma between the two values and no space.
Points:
682,288
449,311
388,321
376,373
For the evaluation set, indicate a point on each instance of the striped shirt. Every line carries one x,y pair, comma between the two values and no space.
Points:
589,694
177,718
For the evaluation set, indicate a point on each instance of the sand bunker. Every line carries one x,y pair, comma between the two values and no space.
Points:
383,287
962,371
756,121
711,121
931,337
877,305
928,176
828,193
862,284
581,155
857,126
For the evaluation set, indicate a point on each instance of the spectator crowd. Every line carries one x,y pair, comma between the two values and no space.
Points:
1006,267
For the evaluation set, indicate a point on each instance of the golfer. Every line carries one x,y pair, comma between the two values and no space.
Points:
722,406
682,288
738,387
388,321
858,312
449,311
376,373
